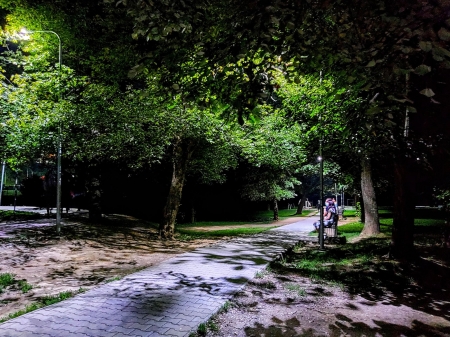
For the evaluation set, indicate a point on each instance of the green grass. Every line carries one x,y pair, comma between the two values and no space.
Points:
213,224
6,279
10,193
294,287
333,265
349,213
261,217
353,229
202,329
189,234
49,300
283,213
43,302
225,307
112,279
8,215
24,286
28,308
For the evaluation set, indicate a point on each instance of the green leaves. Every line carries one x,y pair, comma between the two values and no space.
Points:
427,92
439,53
444,34
422,69
426,46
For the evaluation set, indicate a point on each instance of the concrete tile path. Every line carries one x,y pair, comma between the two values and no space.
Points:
170,299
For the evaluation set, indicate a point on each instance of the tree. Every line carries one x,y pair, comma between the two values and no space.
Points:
370,45
196,131
275,152
324,109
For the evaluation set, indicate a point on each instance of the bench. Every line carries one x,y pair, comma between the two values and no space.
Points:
331,232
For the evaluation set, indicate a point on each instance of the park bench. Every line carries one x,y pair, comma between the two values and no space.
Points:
331,233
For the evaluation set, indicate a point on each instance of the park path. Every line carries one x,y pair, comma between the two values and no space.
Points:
169,299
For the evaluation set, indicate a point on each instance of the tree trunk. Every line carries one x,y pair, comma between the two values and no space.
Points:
182,152
362,210
192,215
371,219
275,210
94,197
301,204
402,244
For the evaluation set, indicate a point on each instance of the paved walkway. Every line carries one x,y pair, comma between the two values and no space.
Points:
170,299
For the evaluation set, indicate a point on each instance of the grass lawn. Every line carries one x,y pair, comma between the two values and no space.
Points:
190,231
422,225
363,266
18,215
283,213
212,224
185,234
349,213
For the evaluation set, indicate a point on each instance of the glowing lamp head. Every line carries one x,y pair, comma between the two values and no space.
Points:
24,34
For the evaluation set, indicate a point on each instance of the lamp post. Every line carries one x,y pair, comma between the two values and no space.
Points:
321,229
321,243
59,146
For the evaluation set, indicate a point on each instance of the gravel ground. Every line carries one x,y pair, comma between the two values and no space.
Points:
290,305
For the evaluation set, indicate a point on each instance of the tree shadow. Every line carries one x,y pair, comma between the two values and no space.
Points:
345,326
115,232
363,270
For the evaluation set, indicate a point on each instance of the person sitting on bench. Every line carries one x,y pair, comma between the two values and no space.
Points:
328,215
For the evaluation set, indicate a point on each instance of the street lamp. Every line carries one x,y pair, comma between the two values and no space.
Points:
26,32
321,229
320,158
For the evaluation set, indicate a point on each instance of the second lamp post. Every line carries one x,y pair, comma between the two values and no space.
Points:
59,146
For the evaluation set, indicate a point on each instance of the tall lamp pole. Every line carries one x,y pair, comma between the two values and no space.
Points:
59,147
321,229
321,243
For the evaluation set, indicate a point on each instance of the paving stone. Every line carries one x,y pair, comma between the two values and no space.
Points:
120,334
170,299
176,333
122,330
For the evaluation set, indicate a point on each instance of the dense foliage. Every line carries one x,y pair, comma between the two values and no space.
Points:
147,83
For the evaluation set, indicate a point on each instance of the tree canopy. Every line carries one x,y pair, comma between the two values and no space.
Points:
149,82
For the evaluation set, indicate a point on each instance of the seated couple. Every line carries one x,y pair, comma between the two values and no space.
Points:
329,214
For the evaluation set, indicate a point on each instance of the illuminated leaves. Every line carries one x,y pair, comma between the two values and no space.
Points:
427,92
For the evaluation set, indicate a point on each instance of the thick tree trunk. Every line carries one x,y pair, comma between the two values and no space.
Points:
275,210
402,244
182,152
301,204
371,219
